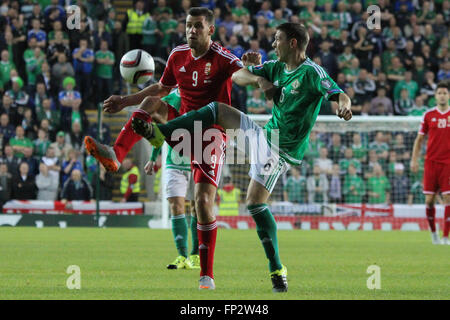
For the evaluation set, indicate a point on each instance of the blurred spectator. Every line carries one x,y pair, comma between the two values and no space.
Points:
178,37
364,86
53,117
60,146
404,104
70,164
38,97
104,71
11,161
23,184
363,48
347,161
33,57
381,105
150,36
256,104
121,45
378,187
58,39
83,64
29,124
106,184
106,131
295,188
5,185
354,186
168,26
52,161
19,97
254,47
323,162
134,22
429,86
76,138
76,188
335,150
444,71
399,184
409,84
380,146
7,130
69,98
61,69
317,186
239,11
41,144
100,34
359,149
33,163
47,183
19,142
6,65
416,195
130,185
234,47
37,33
335,193
228,198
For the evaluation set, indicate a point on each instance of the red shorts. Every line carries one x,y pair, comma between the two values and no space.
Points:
436,178
207,153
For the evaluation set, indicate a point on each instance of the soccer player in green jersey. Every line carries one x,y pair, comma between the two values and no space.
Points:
179,188
297,86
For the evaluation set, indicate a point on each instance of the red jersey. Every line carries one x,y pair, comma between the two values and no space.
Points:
203,79
436,125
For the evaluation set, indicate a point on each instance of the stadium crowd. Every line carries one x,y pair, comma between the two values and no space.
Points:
51,74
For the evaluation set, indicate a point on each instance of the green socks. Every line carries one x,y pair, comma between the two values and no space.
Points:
180,234
266,227
194,235
207,115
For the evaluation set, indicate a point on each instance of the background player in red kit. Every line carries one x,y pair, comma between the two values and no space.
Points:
436,124
202,71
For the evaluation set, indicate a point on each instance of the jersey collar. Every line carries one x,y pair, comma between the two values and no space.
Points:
199,57
289,72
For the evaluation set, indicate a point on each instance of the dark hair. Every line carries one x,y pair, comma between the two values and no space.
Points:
443,84
201,11
296,31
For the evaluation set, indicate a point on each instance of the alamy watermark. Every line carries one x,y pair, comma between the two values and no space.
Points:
74,280
374,281
374,20
73,14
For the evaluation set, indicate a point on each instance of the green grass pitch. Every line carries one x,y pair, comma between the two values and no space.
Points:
121,263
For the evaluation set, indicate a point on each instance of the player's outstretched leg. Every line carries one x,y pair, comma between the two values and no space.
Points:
213,113
112,157
266,228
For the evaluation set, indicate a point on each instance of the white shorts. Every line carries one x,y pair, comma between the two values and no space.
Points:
179,183
266,165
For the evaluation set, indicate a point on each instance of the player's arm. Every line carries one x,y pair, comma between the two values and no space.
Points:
116,103
344,109
414,165
243,77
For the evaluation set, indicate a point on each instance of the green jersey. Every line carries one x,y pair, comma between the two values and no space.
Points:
296,189
379,186
5,71
296,104
354,189
103,70
173,159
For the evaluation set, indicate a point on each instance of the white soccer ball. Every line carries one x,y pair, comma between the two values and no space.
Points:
137,66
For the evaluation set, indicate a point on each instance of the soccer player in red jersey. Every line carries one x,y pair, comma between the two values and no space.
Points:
436,124
201,69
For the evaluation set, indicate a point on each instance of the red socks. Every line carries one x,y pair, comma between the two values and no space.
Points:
127,137
431,212
446,221
207,234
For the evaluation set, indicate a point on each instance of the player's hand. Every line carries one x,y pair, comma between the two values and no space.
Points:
113,104
149,168
267,87
414,166
344,113
251,59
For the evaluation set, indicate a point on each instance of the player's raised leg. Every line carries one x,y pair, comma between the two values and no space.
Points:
151,108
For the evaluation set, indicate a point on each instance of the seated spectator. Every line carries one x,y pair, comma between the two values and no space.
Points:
378,187
51,161
23,184
47,183
8,108
29,124
20,142
61,147
317,186
6,129
380,146
70,164
53,117
295,188
347,161
37,33
335,193
76,188
19,97
359,148
323,162
38,97
354,186
381,105
335,150
11,161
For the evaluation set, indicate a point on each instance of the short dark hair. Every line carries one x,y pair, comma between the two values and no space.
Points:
443,84
201,11
296,31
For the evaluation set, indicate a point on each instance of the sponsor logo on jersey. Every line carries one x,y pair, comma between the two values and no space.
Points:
211,173
295,84
268,165
433,120
208,68
182,69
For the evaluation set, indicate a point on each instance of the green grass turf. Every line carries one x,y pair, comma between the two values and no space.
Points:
130,264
